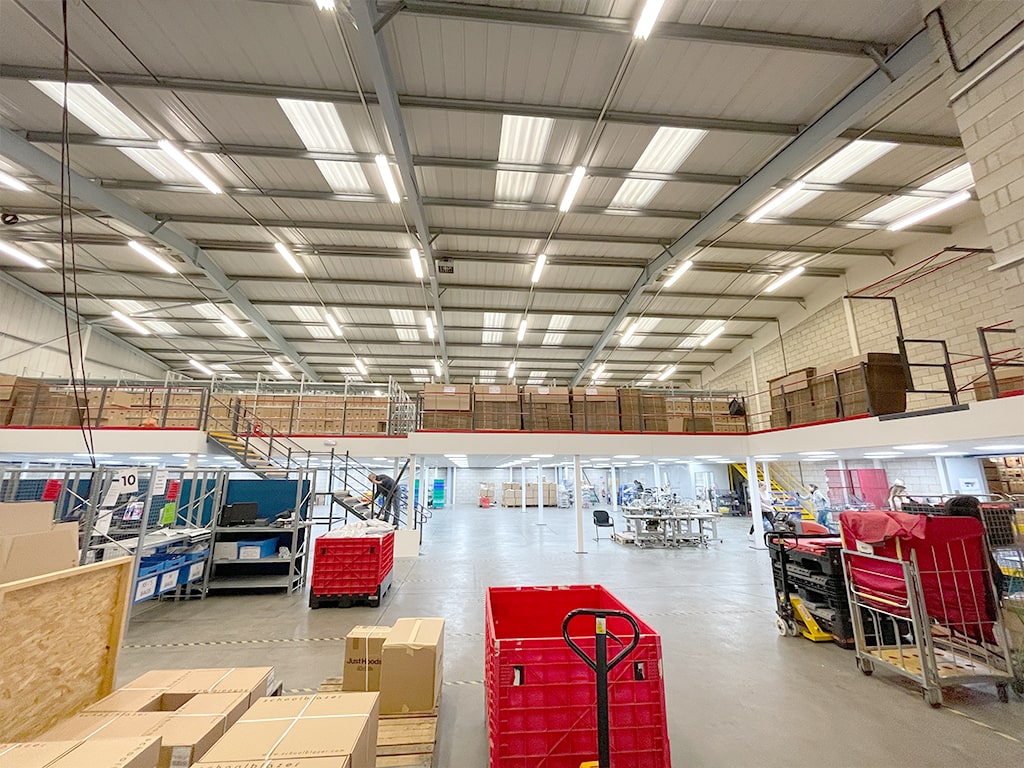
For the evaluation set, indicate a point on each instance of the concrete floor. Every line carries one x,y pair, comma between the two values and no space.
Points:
737,693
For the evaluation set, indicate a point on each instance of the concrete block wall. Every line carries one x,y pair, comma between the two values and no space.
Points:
986,97
920,474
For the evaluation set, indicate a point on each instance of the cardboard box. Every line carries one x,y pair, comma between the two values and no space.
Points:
363,647
103,753
177,686
30,543
303,728
231,705
446,397
125,700
182,737
412,669
341,761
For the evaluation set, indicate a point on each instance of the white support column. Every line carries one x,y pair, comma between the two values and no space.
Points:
940,467
540,494
755,504
578,496
657,475
614,490
522,494
190,465
451,492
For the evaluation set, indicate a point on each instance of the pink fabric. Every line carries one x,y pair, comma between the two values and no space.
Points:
875,527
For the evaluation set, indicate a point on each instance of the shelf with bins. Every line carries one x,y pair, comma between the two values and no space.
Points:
233,567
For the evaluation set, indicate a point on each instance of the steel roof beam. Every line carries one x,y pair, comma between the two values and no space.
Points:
323,249
589,114
38,162
906,64
376,60
665,30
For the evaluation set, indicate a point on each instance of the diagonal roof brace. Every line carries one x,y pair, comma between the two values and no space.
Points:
38,162
907,63
365,14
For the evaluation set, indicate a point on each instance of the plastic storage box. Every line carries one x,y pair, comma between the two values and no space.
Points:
541,697
257,549
351,567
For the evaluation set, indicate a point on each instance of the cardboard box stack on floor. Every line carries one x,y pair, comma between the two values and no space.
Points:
1005,474
31,544
511,495
105,753
447,406
185,710
404,662
325,730
487,492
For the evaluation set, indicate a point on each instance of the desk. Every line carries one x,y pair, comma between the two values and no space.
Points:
667,530
706,523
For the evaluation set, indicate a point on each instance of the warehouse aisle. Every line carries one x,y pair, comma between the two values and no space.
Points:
737,693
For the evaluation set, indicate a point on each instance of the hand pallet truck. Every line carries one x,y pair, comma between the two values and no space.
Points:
601,666
794,618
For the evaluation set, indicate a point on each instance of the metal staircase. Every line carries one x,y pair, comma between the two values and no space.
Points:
782,482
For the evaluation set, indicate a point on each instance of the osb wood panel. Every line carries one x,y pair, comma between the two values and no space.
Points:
59,638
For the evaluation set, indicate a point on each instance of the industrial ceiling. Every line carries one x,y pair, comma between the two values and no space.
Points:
435,191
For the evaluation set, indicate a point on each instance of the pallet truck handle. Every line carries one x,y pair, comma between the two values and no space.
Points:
601,614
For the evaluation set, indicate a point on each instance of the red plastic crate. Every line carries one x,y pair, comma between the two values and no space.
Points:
351,566
542,698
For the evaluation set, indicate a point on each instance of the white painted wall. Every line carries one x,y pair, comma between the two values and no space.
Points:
960,470
32,344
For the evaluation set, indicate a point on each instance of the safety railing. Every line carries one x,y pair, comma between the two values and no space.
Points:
1004,369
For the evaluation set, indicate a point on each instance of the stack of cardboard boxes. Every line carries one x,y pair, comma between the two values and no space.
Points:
310,414
595,409
487,492
546,409
1005,474
496,407
654,411
630,410
105,753
31,544
511,495
27,402
447,406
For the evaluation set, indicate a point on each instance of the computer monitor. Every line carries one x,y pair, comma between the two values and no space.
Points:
239,513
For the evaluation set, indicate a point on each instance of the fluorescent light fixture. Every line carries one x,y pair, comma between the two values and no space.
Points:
231,324
524,140
194,170
1000,447
512,369
667,372
430,327
538,267
680,271
574,186
284,372
437,367
384,168
882,455
920,447
137,327
94,109
932,210
709,456
768,456
542,455
817,453
417,263
288,256
648,16
627,456
950,454
522,330
142,250
332,323
598,371
360,367
775,202
12,183
20,255
630,330
781,280
712,336
200,367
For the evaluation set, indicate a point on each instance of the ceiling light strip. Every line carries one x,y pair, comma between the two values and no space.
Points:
145,252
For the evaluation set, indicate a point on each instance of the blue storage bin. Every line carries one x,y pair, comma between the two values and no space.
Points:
257,549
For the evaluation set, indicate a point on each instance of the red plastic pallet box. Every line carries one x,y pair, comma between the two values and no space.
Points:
351,566
542,698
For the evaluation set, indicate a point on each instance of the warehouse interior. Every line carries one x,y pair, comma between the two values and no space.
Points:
403,327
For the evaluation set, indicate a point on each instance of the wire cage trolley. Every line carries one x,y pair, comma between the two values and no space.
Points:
923,600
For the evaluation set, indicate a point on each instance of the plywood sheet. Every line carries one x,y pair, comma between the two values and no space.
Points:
59,638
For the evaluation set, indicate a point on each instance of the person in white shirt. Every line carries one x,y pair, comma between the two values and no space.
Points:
820,503
897,492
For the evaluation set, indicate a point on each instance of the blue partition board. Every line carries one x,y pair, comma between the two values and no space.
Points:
273,496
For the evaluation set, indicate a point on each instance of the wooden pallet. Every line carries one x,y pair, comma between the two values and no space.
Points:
403,741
